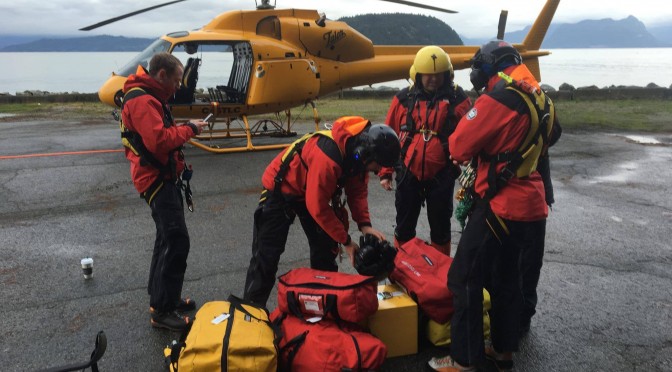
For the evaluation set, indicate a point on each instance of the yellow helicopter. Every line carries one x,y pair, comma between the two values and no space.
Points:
270,60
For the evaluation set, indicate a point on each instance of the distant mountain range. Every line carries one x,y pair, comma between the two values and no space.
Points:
403,29
604,33
398,29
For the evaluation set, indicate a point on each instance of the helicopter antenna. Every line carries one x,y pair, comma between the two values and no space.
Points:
108,21
265,4
423,6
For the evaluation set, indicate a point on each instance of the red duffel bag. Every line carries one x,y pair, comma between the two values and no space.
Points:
309,293
326,346
423,272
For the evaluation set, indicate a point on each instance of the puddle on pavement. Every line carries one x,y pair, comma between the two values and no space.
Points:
623,174
647,140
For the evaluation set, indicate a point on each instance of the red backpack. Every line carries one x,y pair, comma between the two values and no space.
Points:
423,272
326,346
306,293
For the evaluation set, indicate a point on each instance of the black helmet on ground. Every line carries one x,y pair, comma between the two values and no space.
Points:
374,257
378,143
492,57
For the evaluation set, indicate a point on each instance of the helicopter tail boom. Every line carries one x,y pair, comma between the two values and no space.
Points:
538,31
529,49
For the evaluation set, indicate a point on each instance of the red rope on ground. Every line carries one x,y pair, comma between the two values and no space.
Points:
6,157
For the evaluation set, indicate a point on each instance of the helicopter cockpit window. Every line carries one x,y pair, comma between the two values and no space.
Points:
213,71
143,58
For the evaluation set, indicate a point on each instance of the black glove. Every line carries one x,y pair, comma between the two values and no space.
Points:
374,257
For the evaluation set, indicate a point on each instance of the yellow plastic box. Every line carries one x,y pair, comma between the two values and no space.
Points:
396,321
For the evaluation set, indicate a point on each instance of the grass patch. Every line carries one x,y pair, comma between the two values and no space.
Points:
370,108
616,115
57,111
609,115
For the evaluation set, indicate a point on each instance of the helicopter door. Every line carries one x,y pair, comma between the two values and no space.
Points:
235,90
240,72
287,81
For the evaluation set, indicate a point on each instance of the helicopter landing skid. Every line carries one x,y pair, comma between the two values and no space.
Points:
264,127
261,128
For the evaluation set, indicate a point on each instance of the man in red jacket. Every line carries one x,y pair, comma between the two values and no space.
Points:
306,180
423,116
506,132
154,148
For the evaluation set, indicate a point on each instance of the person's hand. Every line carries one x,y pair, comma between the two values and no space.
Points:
456,162
200,124
386,183
370,230
350,249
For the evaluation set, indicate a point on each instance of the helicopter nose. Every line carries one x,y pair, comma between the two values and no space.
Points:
110,91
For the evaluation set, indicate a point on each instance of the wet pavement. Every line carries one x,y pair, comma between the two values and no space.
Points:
605,292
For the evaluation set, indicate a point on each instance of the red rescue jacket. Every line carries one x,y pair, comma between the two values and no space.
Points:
425,155
315,180
498,122
145,116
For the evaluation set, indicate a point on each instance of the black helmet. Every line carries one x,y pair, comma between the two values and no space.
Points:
494,52
374,257
378,143
492,57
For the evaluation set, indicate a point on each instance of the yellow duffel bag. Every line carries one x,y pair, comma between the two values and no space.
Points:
226,336
439,334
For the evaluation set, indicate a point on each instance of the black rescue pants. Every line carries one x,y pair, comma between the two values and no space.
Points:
531,260
272,220
487,256
171,248
437,192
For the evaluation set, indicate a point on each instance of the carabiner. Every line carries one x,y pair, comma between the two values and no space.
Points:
424,135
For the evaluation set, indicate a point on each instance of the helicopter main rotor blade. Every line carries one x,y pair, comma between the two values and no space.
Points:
423,6
502,24
111,20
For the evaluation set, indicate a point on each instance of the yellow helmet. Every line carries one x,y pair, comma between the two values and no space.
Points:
431,60
411,73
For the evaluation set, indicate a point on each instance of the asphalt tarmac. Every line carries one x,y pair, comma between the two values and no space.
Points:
605,296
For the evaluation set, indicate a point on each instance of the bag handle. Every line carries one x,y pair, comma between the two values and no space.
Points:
293,346
237,303
332,307
293,305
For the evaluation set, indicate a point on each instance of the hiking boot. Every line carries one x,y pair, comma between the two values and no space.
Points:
170,320
183,306
501,362
447,364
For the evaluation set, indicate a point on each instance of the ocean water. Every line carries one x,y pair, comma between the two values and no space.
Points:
86,72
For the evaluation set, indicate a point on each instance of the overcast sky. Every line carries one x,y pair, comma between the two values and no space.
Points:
476,18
